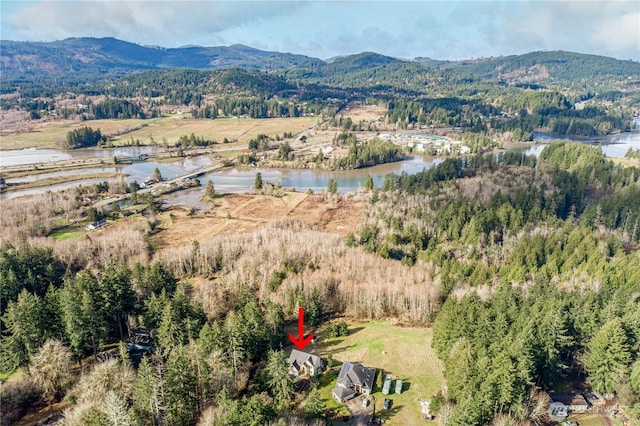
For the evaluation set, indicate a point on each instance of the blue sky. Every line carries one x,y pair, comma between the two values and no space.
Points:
323,29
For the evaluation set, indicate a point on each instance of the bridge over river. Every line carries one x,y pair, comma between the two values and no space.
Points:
155,187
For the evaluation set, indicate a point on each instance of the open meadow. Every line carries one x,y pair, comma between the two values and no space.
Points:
401,352
359,113
159,130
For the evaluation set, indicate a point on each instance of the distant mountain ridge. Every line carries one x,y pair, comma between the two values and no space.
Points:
116,57
549,66
94,59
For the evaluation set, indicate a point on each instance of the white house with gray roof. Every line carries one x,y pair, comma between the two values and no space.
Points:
304,364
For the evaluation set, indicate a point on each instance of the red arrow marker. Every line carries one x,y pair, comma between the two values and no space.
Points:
300,342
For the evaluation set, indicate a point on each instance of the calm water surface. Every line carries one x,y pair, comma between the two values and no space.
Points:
240,179
613,146
38,156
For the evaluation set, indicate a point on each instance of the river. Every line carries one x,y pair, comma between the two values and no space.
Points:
39,156
241,179
131,172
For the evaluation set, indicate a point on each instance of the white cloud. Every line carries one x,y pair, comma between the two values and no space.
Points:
171,23
619,35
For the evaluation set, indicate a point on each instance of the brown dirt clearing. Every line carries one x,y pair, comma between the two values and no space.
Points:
364,112
235,213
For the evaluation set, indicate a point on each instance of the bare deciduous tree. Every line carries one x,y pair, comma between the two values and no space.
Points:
49,369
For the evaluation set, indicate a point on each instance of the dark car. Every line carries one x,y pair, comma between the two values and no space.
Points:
387,404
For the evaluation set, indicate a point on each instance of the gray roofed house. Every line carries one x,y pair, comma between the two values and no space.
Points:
303,363
575,402
354,378
342,394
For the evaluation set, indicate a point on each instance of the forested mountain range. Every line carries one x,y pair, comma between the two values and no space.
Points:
485,96
556,66
95,59
109,57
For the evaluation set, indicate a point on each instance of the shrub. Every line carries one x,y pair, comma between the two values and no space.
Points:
16,396
338,329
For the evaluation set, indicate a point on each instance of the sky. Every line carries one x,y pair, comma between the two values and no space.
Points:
323,29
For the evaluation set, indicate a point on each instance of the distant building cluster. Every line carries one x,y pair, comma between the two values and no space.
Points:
430,144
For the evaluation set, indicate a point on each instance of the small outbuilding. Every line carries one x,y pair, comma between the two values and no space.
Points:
398,386
386,387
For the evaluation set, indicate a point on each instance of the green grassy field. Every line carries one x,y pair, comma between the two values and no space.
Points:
48,134
159,130
592,420
67,232
402,352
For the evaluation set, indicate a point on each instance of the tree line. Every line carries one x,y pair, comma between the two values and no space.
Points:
538,265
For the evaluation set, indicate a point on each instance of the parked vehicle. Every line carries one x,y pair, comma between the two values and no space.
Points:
387,404
398,386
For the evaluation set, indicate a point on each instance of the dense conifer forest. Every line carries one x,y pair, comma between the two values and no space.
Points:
526,270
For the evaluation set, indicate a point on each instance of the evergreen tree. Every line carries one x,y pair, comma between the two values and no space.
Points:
314,408
180,388
279,380
608,357
156,175
368,183
170,332
147,392
210,191
82,313
118,295
25,324
235,331
211,339
258,182
314,308
275,322
284,150
332,186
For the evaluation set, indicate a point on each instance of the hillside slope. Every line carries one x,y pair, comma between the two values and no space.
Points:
88,57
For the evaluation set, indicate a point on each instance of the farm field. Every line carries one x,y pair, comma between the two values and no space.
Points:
364,112
402,352
48,134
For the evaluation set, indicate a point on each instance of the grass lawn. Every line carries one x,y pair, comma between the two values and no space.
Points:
592,420
326,383
402,352
48,134
241,129
67,232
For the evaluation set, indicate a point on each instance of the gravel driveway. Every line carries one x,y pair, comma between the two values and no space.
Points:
359,415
